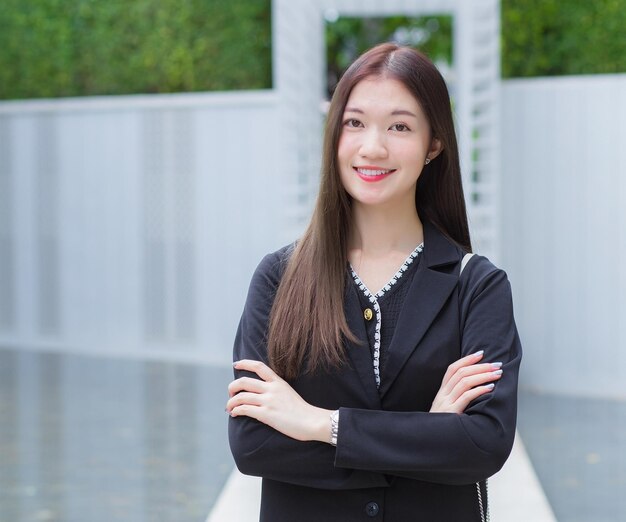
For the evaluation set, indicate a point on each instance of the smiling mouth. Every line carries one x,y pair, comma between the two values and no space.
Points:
372,174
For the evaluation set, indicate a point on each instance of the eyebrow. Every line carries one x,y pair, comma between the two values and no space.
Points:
397,112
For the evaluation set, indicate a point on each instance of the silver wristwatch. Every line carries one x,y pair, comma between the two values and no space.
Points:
334,427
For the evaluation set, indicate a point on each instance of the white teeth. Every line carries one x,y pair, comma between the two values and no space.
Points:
372,172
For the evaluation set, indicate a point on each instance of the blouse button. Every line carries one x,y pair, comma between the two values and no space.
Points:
368,314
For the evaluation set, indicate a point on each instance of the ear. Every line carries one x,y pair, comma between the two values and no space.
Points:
435,148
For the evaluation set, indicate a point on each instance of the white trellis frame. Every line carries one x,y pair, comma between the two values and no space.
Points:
299,80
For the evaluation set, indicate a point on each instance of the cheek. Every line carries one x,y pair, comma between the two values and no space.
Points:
345,170
342,148
344,174
344,156
412,153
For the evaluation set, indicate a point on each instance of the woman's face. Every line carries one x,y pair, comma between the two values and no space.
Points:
385,139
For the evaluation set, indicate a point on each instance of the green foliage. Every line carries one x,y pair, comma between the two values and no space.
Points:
556,37
539,37
89,47
347,38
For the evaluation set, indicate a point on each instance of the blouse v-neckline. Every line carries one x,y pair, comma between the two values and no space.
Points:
394,279
374,298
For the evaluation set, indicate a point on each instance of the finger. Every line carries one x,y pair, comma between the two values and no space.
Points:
463,402
247,410
253,399
468,371
472,381
462,362
472,358
258,367
246,384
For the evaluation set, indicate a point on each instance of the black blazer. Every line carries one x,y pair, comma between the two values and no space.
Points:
394,461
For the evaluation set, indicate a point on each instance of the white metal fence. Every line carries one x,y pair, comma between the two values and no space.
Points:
564,229
131,225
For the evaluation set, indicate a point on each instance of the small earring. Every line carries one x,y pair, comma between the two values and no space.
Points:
427,161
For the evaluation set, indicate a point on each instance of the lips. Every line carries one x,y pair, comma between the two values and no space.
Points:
373,174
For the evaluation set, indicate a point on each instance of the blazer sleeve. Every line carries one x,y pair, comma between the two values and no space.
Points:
449,448
259,449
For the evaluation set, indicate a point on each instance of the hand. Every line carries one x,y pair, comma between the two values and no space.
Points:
274,402
464,381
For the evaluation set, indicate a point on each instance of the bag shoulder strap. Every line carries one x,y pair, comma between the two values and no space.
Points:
464,262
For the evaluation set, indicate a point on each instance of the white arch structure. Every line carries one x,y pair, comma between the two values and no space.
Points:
299,81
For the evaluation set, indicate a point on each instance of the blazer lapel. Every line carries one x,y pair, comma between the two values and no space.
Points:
429,291
360,353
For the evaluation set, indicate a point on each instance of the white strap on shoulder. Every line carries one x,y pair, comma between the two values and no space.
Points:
464,262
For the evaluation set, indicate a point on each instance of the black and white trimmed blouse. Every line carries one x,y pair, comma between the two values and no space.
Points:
387,302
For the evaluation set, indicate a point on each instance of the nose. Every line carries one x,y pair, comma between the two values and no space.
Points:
374,144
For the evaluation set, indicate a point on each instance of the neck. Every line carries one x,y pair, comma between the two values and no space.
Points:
378,230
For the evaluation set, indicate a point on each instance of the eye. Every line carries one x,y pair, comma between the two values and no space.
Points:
351,122
400,127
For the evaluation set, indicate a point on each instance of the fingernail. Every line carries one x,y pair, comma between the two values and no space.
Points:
479,353
490,386
496,365
235,364
497,372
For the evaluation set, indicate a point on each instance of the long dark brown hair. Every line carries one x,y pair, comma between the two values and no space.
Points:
308,325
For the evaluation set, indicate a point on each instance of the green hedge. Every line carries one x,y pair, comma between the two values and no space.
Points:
348,37
539,37
54,48
556,37
90,47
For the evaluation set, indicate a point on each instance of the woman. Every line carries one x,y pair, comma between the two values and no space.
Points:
376,379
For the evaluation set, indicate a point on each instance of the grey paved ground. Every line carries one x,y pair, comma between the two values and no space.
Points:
87,438
92,439
578,449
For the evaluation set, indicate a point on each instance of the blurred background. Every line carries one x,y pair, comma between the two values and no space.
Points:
151,152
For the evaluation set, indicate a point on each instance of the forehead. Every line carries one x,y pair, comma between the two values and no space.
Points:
382,95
